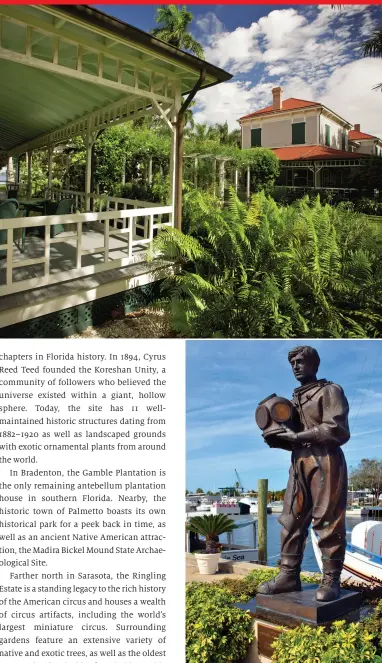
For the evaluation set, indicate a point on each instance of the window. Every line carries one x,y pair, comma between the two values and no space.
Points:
255,137
298,133
327,135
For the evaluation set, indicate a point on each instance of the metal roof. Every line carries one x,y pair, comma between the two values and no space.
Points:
58,64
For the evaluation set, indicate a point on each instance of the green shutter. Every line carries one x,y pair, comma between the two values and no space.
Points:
327,135
344,135
255,137
298,133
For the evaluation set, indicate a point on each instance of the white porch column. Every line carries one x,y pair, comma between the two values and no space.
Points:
90,139
28,157
248,184
50,165
236,180
214,176
123,171
10,170
221,179
88,171
150,171
196,164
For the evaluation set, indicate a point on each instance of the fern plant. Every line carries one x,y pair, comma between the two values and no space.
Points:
305,270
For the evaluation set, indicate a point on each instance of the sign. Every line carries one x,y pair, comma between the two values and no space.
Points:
266,634
247,555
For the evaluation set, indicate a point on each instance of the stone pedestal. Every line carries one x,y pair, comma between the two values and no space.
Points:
272,614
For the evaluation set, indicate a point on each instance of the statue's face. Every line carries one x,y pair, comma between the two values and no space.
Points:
302,367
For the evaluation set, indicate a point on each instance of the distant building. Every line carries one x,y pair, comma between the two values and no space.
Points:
317,147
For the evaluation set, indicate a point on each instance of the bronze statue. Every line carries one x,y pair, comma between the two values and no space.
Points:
314,428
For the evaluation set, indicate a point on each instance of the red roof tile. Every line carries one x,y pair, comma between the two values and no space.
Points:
314,152
288,105
359,135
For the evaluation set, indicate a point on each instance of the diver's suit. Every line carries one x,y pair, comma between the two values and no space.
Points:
317,487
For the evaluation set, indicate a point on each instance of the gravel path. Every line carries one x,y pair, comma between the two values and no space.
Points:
144,323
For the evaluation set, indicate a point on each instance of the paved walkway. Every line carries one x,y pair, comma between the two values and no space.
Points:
192,575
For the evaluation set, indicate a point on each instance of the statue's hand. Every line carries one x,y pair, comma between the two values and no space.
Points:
287,436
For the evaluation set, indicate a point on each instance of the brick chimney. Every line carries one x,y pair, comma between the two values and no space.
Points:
357,127
277,93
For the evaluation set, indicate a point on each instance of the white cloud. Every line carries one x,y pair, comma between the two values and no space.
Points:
209,24
238,50
277,70
314,55
229,101
349,92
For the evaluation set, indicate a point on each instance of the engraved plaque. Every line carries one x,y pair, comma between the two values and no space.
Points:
266,634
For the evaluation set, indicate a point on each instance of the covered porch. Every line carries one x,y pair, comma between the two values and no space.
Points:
74,71
337,175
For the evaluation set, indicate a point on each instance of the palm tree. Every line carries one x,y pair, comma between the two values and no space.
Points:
211,527
372,48
174,29
201,132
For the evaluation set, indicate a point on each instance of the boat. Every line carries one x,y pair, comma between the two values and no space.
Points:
363,556
354,511
228,506
253,504
277,506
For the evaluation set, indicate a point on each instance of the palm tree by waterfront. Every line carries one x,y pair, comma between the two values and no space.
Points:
173,28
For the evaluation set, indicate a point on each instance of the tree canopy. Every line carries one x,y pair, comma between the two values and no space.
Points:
173,28
368,474
372,48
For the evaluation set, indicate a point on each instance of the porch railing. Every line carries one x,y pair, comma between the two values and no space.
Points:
102,202
122,224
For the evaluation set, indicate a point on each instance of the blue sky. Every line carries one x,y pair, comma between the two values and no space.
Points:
227,379
312,51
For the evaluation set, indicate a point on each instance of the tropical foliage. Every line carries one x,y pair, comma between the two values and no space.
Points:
211,527
216,631
173,28
306,270
359,642
345,643
373,48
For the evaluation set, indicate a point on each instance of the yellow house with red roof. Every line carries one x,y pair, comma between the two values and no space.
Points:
317,147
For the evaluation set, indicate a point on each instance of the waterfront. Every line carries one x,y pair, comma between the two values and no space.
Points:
244,537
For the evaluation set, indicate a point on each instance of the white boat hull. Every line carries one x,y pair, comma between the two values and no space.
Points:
360,566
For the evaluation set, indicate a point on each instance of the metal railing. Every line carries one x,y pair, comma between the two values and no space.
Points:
122,224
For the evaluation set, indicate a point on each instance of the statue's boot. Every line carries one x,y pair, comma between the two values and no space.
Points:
330,588
288,580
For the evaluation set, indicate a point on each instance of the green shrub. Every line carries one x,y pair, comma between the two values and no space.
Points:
359,642
344,643
373,624
216,631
